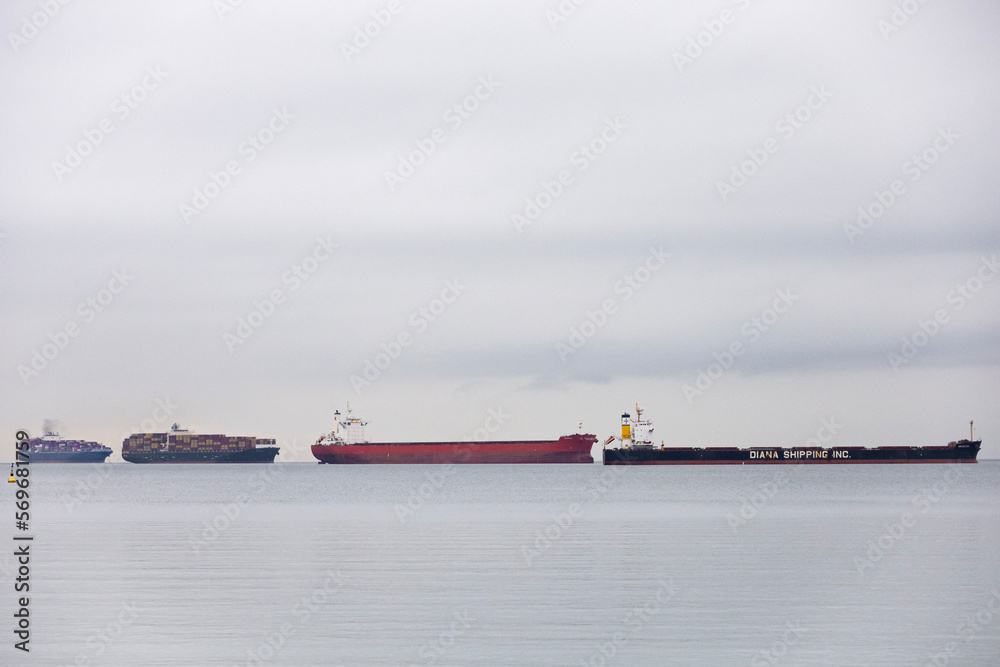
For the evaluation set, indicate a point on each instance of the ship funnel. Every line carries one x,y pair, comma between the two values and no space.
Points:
626,427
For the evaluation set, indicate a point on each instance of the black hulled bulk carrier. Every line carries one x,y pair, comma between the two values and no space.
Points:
636,447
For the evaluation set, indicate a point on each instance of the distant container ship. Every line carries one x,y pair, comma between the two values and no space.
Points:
51,448
636,447
182,446
346,443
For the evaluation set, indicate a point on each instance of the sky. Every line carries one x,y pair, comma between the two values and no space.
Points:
761,222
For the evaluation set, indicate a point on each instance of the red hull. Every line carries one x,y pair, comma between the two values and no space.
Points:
567,449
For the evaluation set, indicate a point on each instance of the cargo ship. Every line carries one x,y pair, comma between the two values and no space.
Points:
183,446
636,447
51,448
347,443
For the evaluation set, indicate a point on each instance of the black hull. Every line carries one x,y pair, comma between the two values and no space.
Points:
257,455
961,452
69,457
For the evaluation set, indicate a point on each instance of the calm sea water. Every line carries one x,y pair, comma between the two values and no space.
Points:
301,564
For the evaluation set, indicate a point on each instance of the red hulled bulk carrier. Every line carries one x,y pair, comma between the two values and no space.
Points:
347,443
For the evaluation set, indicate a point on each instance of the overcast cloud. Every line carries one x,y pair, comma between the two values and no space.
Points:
591,212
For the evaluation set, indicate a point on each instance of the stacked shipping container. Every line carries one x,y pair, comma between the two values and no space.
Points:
48,445
180,446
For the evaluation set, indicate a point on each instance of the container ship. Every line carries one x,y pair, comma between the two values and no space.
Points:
51,448
183,446
347,443
636,447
